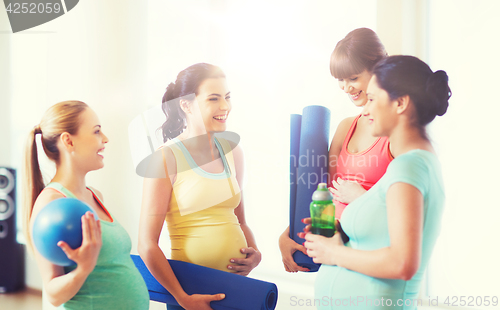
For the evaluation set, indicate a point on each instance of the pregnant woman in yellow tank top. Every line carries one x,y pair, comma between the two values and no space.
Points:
201,199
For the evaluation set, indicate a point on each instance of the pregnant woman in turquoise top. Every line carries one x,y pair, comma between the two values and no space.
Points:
104,276
392,227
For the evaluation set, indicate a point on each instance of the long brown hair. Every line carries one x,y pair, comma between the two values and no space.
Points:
59,118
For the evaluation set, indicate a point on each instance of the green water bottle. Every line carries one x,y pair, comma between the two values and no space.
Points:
322,212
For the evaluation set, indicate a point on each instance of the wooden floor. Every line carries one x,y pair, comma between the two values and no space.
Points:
31,299
28,299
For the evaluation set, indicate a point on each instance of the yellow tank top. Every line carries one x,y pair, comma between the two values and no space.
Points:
201,222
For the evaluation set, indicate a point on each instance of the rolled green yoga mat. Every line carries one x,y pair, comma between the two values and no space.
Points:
308,167
242,293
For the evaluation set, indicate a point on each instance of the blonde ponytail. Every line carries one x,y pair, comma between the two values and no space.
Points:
32,181
59,118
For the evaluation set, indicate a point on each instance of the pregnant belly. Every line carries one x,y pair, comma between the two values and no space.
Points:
209,246
346,289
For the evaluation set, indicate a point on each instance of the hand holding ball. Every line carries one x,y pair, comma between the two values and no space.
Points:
60,220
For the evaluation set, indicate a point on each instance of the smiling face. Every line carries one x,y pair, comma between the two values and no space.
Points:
380,110
89,141
355,86
214,102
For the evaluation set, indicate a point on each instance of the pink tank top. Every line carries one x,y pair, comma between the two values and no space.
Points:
365,167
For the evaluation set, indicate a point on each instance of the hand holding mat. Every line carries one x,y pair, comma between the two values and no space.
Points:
310,167
242,293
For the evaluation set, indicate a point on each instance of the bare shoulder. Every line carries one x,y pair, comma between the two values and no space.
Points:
341,133
345,124
164,154
170,160
167,153
45,197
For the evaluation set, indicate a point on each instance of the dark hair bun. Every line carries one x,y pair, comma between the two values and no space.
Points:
438,91
169,93
185,86
174,125
402,75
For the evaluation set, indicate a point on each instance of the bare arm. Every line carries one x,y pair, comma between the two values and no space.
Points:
61,287
401,259
155,203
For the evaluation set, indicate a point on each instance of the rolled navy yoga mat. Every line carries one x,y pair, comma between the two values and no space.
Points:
295,120
242,293
311,169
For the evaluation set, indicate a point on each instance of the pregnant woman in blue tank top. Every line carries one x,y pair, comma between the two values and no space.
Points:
392,227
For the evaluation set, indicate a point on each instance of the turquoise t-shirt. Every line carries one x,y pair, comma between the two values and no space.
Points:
115,282
365,222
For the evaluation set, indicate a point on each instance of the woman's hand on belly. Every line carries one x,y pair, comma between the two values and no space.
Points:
243,266
346,191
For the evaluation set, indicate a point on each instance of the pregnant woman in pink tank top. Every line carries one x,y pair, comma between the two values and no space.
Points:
363,168
357,159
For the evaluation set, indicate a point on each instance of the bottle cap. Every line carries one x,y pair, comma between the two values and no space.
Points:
322,193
